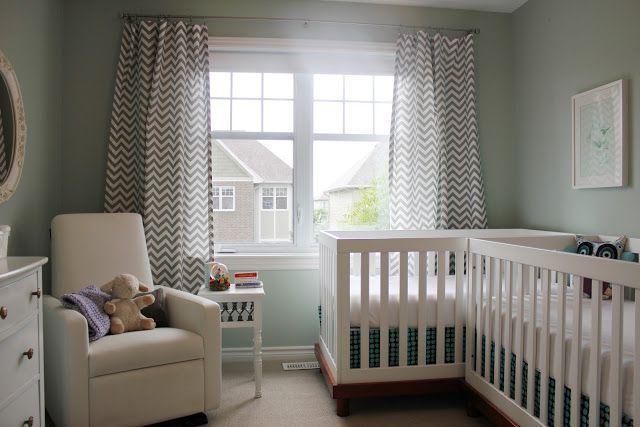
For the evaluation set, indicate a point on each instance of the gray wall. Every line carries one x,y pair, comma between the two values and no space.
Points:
562,48
30,37
92,36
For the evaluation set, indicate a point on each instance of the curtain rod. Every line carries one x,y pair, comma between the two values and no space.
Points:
305,22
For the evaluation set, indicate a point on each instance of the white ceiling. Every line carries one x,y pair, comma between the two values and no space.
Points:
484,5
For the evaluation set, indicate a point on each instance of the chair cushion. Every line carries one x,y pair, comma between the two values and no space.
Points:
143,349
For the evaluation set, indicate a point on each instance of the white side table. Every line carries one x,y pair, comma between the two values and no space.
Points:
242,308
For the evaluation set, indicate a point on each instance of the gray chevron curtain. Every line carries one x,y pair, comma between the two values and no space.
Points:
158,157
435,176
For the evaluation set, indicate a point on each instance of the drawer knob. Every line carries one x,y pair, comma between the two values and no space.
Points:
28,422
37,293
4,312
28,353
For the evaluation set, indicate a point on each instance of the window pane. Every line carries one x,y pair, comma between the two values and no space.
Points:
358,88
278,116
216,191
353,193
216,203
241,176
267,203
358,118
327,86
383,88
382,117
327,117
247,85
220,85
278,85
220,114
227,203
246,116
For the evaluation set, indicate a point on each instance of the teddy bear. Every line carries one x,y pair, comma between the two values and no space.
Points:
124,309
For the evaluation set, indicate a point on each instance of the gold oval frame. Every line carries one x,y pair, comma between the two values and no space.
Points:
8,187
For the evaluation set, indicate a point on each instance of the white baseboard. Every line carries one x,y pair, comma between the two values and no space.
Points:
245,354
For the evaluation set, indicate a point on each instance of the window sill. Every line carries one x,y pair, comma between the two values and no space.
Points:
269,261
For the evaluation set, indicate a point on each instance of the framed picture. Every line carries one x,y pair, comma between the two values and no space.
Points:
599,137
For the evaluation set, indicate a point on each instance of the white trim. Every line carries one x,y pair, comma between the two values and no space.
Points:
270,261
281,45
245,354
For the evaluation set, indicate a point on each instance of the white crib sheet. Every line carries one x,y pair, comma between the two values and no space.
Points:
412,301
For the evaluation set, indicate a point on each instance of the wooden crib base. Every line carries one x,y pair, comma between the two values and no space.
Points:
477,405
342,393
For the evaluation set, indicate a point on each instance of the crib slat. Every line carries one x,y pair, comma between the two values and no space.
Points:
576,352
440,313
531,354
594,356
636,359
521,277
404,265
488,336
497,328
508,271
422,308
459,305
384,309
559,347
615,406
479,313
343,297
364,310
544,347
471,312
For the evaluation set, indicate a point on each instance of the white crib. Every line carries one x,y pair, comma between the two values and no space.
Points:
427,314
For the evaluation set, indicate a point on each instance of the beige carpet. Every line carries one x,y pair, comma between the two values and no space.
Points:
300,398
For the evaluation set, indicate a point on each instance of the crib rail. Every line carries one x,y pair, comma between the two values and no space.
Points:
529,303
349,265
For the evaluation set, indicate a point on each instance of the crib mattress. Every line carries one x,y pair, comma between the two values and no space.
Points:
412,301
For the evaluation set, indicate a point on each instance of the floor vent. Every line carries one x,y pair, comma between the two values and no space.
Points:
296,366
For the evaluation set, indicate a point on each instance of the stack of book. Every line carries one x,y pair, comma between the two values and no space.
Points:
247,279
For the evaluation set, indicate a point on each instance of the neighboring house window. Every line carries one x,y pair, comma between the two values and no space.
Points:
325,113
224,198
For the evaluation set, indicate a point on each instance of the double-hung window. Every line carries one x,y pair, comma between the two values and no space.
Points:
299,132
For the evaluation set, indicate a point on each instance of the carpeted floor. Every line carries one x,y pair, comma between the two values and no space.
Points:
300,398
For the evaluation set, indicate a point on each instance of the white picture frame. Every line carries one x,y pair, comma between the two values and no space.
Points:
600,136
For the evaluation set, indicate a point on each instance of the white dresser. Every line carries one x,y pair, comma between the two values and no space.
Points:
21,360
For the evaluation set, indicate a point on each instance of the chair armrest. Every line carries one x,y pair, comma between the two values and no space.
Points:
66,363
200,316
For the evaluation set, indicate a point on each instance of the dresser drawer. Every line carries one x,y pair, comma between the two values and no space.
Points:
22,408
16,367
17,302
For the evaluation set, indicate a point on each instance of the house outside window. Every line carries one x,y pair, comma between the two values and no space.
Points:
301,133
224,198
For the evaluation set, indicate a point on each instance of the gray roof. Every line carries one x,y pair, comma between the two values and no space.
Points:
258,160
363,173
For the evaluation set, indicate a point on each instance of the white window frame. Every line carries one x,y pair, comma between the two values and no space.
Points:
301,197
220,196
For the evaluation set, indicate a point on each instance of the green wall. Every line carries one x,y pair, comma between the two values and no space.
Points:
92,35
31,38
562,48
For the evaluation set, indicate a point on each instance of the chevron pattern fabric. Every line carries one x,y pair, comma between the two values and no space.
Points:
4,167
159,159
435,175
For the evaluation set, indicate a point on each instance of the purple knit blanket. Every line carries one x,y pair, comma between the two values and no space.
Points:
89,302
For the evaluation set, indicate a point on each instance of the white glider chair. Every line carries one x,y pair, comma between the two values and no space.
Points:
132,379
